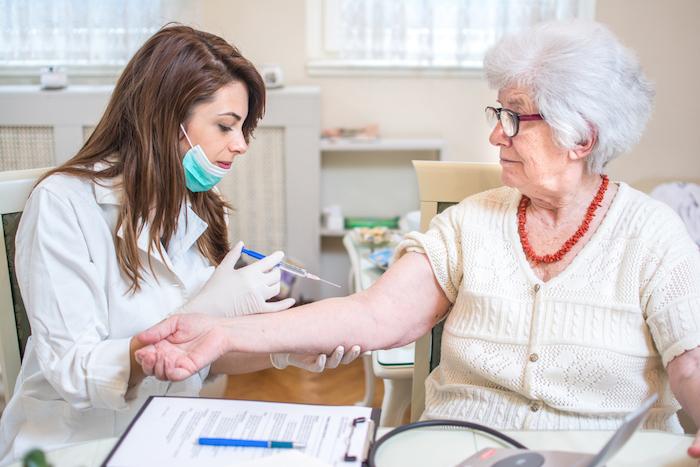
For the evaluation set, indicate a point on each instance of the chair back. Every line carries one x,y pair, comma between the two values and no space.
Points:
440,185
15,187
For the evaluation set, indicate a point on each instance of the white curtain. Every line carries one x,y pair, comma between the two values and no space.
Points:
78,32
450,33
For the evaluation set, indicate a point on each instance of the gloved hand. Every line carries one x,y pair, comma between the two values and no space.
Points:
315,363
233,292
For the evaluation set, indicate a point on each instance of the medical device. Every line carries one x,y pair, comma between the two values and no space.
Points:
523,457
290,268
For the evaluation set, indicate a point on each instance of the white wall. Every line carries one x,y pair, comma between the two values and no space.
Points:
665,34
274,31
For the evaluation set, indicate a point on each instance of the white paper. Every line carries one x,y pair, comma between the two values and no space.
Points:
292,458
167,430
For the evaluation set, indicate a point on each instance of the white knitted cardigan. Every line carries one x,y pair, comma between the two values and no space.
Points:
578,351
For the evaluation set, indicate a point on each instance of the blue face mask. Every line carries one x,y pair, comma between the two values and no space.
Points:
200,174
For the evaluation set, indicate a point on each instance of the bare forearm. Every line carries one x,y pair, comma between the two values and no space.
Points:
315,328
237,363
403,305
689,397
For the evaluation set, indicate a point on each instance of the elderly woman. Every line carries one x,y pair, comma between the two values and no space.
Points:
568,298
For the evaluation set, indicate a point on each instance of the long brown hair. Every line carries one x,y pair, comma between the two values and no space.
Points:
138,137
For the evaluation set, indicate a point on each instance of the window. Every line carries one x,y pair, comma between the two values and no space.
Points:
82,35
420,34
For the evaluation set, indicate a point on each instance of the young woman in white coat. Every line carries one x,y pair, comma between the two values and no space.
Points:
130,231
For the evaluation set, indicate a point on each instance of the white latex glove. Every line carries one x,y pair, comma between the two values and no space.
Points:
236,292
315,363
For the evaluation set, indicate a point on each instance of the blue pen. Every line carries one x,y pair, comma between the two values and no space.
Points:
249,443
297,271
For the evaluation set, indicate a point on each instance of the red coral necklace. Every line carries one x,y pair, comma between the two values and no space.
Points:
573,240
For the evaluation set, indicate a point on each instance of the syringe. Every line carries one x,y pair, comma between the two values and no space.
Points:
290,268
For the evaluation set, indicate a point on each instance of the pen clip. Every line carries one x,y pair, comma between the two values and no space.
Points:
358,445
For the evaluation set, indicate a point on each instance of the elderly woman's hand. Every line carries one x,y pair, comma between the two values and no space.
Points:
181,345
684,378
694,449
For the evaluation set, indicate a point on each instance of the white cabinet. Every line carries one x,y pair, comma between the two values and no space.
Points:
367,179
274,188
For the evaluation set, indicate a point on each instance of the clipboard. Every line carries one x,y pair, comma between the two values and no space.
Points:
360,442
162,434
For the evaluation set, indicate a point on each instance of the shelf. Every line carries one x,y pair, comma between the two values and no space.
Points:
381,144
333,233
372,178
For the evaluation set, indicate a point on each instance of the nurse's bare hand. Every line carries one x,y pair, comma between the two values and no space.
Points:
181,345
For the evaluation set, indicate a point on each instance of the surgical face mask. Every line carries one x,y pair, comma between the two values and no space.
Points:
200,173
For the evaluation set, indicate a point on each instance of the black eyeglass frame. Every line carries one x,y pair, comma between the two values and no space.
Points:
517,118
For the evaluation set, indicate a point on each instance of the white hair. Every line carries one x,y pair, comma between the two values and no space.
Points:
582,79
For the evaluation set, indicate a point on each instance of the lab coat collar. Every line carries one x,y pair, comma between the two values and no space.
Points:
189,228
107,190
189,225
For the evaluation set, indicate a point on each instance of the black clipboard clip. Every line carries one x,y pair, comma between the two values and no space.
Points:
359,442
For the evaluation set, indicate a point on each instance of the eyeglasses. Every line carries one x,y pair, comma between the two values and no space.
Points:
510,121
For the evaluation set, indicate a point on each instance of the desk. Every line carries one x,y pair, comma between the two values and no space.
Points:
438,448
87,454
394,366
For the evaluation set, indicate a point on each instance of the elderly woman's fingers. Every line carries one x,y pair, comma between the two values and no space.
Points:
166,362
172,372
694,449
163,360
178,374
159,331
192,344
146,358
159,369
185,368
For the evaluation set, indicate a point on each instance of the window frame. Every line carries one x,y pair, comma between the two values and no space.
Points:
98,73
320,63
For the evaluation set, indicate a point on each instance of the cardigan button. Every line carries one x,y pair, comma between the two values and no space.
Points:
535,406
534,357
537,288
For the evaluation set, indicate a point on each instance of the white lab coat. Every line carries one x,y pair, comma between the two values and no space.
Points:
72,386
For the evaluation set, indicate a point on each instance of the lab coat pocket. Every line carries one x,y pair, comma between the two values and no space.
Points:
47,423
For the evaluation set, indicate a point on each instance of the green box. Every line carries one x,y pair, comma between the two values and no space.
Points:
388,222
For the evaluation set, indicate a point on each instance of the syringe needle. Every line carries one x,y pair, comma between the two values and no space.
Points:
289,268
316,278
329,282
